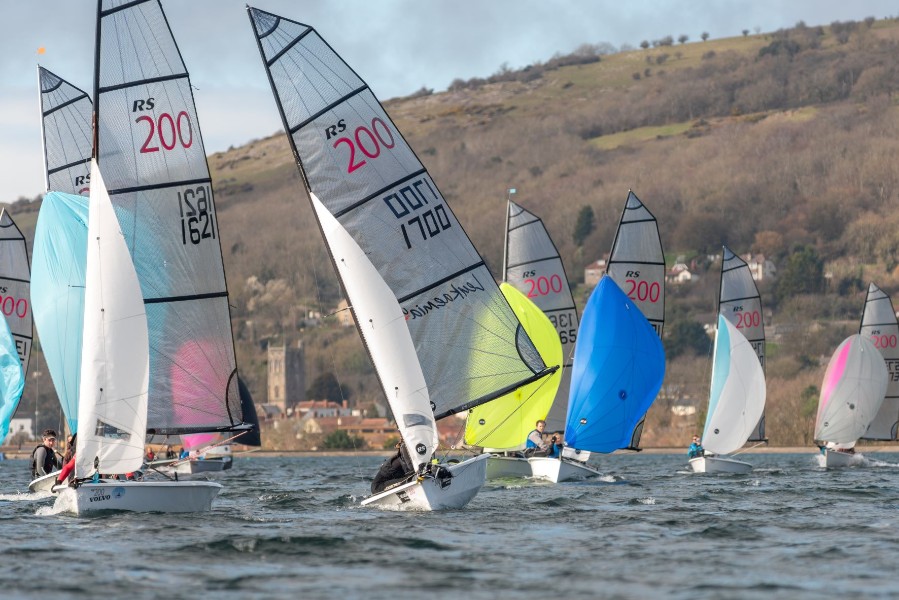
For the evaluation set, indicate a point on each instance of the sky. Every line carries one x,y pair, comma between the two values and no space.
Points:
397,46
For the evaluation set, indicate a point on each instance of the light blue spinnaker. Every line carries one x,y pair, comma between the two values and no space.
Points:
12,378
57,283
618,369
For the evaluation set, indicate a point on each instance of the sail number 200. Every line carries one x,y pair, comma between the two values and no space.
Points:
367,140
167,131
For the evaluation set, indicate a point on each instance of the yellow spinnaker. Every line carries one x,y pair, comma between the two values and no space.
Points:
506,421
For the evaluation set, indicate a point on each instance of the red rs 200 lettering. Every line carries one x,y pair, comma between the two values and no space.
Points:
168,131
748,319
369,142
880,341
14,306
643,291
542,285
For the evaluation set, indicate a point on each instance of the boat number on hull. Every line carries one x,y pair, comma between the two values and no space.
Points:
404,497
99,496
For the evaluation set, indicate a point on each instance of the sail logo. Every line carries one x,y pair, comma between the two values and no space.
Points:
141,104
455,293
118,492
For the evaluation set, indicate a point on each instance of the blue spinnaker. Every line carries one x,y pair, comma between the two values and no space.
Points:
57,291
12,378
619,364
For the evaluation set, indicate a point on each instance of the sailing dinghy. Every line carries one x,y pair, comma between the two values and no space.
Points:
854,387
736,401
441,336
619,364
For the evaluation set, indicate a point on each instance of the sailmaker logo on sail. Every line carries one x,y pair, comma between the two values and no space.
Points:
456,292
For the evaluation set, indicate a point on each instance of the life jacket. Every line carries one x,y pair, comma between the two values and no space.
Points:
49,461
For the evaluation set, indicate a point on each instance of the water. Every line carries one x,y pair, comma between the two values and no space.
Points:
292,527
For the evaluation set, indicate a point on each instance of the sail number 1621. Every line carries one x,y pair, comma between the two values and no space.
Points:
197,219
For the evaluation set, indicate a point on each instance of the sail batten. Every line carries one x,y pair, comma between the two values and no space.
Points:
356,162
150,148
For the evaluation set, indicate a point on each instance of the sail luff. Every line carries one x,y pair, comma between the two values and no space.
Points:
363,171
879,325
740,303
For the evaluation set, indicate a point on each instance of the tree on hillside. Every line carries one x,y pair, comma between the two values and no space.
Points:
682,38
644,44
803,273
745,32
705,35
584,225
326,387
686,336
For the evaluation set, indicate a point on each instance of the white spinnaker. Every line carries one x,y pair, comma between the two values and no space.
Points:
854,386
737,394
879,325
383,326
115,361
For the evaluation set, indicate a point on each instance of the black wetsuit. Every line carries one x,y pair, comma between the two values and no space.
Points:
395,469
43,463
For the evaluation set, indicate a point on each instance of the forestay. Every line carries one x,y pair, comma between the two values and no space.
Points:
504,424
618,369
880,327
60,257
534,267
15,286
737,392
154,164
637,265
66,133
852,392
740,303
115,363
471,347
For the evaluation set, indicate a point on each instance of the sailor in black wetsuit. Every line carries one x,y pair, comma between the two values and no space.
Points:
395,469
43,457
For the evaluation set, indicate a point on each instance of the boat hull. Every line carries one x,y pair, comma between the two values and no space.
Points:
429,494
44,483
138,496
557,470
209,465
499,467
718,464
833,459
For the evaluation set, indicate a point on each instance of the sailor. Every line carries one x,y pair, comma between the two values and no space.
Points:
68,460
395,469
535,443
696,448
43,457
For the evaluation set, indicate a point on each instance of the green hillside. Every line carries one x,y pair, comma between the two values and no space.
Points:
783,144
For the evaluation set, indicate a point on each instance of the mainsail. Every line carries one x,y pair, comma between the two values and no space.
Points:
533,266
852,392
15,286
115,363
60,257
740,303
880,327
737,392
352,157
12,378
618,369
66,133
637,265
504,424
154,164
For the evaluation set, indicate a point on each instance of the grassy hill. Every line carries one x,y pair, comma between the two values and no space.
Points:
763,142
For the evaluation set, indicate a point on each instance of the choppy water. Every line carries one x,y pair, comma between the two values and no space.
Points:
291,527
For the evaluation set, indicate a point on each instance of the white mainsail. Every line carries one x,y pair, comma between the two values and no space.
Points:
737,393
852,392
115,363
65,133
15,287
740,303
879,325
383,326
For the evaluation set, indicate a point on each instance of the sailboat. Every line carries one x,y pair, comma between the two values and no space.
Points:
65,134
637,265
441,336
58,264
852,393
115,375
537,289
12,378
736,401
619,364
879,325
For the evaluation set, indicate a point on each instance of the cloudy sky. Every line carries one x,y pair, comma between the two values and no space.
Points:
397,46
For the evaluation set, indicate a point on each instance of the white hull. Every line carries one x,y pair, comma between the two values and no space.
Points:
209,465
834,459
718,464
507,466
138,496
557,470
44,483
468,478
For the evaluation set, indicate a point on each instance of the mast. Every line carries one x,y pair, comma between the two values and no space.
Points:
506,232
